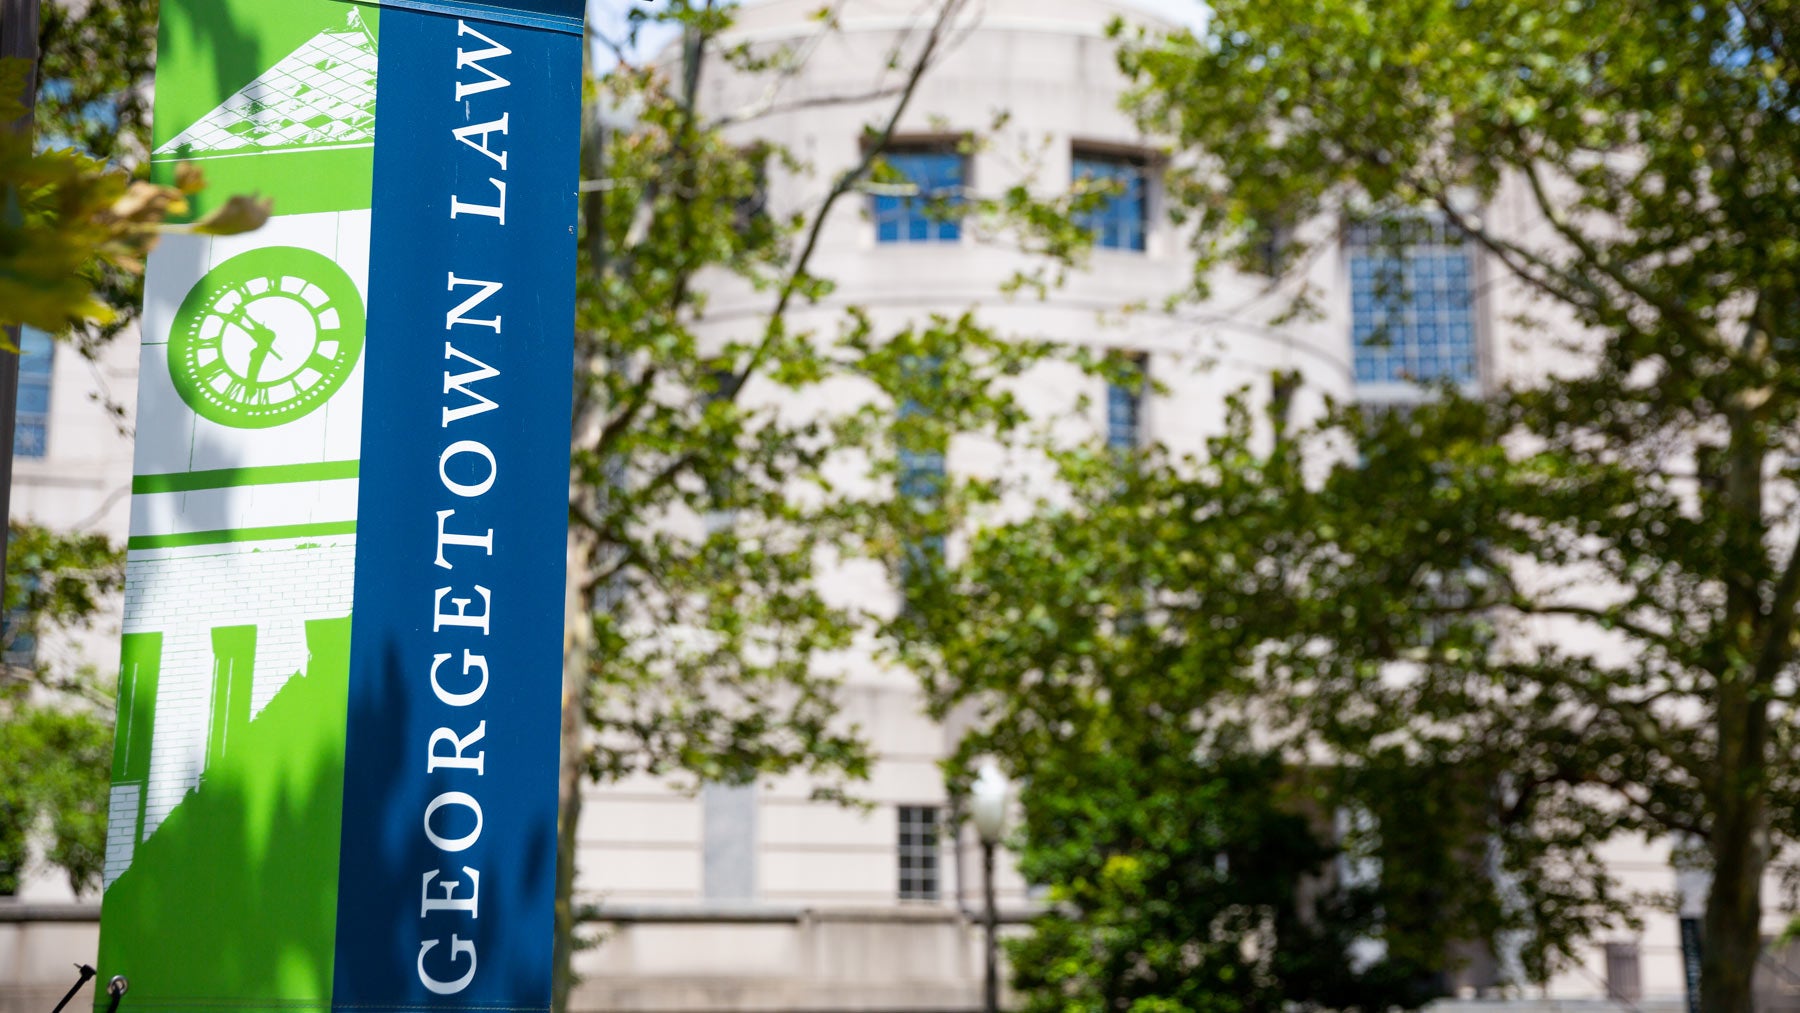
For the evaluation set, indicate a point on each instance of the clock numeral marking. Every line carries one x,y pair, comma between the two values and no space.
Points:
211,368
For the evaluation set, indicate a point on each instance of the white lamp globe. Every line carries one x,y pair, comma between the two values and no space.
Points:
987,803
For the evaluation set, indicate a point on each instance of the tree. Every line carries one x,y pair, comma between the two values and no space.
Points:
703,503
55,717
75,225
1114,649
1594,573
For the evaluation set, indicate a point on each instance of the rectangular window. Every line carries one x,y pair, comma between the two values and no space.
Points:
728,842
919,196
750,213
1412,294
32,433
1125,409
919,852
1624,979
922,473
922,482
18,640
1123,218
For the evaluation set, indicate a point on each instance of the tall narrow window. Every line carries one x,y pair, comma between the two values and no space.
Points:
921,478
750,213
717,473
1411,307
1125,408
921,465
728,842
1624,979
1123,217
18,641
919,198
32,433
919,879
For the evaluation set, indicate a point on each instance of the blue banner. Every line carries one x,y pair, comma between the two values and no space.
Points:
448,854
564,15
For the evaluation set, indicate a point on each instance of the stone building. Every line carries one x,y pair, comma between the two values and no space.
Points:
757,898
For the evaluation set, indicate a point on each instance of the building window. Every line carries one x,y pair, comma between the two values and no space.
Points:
1125,408
922,476
750,213
1123,217
32,433
18,637
922,482
728,842
919,852
1411,305
1624,979
918,198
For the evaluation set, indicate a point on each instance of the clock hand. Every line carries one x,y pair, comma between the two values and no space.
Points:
261,335
257,357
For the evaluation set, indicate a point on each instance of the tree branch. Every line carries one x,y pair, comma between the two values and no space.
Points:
1591,254
845,182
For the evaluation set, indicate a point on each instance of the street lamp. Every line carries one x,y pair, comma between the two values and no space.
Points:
987,807
1693,882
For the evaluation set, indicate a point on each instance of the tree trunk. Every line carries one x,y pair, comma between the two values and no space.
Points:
1731,939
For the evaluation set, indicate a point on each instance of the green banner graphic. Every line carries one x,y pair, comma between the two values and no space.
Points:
310,812
222,851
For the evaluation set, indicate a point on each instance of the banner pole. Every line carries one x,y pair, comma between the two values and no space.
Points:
18,40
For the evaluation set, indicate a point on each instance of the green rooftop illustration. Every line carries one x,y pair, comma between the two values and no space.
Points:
322,95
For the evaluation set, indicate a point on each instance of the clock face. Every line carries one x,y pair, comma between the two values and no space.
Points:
266,337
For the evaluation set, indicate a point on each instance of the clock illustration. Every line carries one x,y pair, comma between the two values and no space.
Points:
266,337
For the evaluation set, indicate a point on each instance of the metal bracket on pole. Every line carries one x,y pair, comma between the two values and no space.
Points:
86,973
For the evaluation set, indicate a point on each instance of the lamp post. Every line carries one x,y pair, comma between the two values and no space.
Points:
988,809
1693,881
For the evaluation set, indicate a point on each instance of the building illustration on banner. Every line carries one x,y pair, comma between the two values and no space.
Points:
244,507
320,95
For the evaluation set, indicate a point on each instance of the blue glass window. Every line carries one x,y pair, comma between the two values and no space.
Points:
1125,410
32,433
1121,221
16,629
921,480
932,213
1411,304
922,477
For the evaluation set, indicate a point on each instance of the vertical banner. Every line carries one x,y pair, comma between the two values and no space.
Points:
334,781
